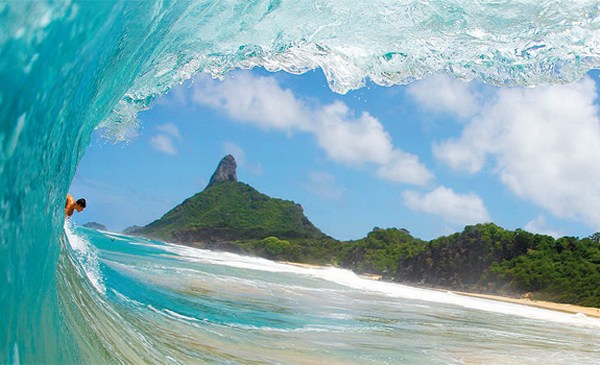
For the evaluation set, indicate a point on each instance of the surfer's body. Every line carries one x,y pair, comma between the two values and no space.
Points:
73,205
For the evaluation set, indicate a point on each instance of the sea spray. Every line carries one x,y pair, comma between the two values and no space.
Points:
86,256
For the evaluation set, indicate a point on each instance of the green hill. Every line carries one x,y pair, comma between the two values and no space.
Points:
484,258
228,211
232,216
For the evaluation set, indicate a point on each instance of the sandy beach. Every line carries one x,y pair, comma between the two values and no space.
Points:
561,307
306,266
567,308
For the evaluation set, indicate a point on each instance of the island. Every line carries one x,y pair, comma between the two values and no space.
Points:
95,225
229,215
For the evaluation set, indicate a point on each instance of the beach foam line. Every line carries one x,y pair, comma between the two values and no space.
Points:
561,307
349,279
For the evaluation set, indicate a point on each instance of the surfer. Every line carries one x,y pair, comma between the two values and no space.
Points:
73,205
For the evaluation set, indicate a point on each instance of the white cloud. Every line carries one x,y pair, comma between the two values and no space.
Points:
324,185
240,157
469,157
253,99
170,129
443,93
454,208
352,141
539,225
344,137
405,168
544,145
164,144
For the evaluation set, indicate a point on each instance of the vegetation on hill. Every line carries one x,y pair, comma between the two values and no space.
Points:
304,250
229,211
485,258
232,216
565,270
383,251
482,258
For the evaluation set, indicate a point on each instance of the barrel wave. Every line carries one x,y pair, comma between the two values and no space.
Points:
69,67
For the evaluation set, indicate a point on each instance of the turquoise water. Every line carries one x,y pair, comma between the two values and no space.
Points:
176,304
69,67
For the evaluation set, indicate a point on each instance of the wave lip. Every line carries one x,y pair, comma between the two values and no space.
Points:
388,43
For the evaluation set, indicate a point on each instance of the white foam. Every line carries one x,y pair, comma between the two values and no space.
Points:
403,291
126,298
15,357
179,316
349,279
86,255
234,260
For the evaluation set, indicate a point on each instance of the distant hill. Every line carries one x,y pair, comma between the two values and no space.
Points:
228,210
95,225
232,216
484,258
132,230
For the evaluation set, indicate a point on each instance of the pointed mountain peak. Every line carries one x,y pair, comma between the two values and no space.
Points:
226,171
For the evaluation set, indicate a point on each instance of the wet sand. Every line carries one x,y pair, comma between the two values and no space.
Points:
567,308
306,266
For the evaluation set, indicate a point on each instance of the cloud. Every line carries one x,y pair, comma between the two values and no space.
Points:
324,185
253,99
351,140
539,225
542,143
405,168
164,144
344,137
170,129
240,157
461,209
445,94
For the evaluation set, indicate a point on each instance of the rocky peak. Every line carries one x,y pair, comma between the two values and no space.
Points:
226,171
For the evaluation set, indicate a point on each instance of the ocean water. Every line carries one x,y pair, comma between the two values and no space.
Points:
149,301
68,67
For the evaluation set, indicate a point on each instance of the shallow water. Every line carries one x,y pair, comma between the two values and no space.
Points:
184,305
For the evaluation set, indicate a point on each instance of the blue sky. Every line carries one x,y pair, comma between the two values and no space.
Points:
430,157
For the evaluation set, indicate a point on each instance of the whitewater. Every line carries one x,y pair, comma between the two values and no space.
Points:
73,296
177,304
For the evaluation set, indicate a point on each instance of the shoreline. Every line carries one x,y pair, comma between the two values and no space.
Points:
559,307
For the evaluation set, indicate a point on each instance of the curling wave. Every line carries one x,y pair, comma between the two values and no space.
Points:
70,67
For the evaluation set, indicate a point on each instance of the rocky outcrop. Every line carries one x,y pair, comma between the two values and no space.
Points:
226,171
96,226
229,210
133,230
